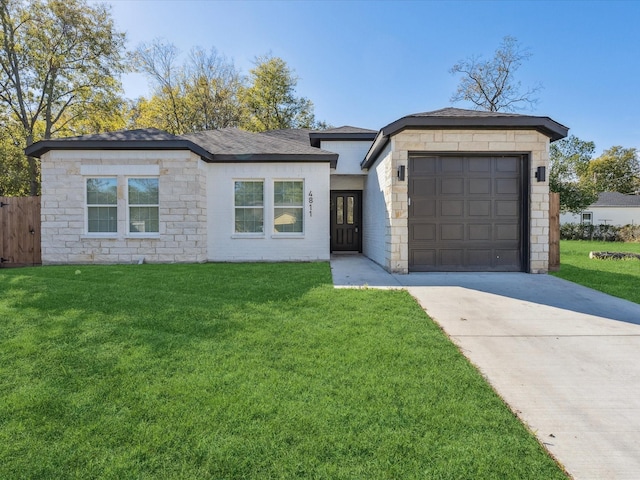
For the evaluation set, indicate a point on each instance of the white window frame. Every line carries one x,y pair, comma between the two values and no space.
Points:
582,219
129,205
87,206
301,207
235,233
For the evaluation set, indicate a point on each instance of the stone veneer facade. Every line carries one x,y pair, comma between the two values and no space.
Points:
182,233
529,142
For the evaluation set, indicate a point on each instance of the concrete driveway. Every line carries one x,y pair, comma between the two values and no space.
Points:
564,357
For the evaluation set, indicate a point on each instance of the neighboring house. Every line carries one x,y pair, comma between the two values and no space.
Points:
611,208
448,190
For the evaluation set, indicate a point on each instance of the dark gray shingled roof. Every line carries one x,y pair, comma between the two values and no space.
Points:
313,137
344,133
461,118
462,112
234,145
346,129
138,135
139,139
615,199
226,145
296,134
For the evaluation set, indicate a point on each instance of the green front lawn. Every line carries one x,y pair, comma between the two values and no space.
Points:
620,278
239,371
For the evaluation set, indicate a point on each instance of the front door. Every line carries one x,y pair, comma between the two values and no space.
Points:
346,221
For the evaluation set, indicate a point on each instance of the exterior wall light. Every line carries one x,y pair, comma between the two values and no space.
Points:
401,170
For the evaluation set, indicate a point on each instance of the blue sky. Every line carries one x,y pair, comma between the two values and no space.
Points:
368,63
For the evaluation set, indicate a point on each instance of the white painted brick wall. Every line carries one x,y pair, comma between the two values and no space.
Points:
225,245
376,222
351,152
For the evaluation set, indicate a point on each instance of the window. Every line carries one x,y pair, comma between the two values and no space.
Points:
102,208
586,218
143,205
249,206
288,203
345,213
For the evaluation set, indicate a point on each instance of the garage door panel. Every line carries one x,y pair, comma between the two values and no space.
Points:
479,258
452,165
506,232
423,165
480,232
507,208
424,207
451,208
479,208
507,186
452,232
473,219
452,258
424,185
506,258
480,164
423,259
452,186
507,164
424,231
479,186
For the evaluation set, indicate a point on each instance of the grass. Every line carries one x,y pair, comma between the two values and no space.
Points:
615,277
239,371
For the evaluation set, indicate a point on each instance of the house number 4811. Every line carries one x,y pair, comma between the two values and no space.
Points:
310,203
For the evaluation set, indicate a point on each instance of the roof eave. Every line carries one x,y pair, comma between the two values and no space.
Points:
374,150
545,125
316,137
40,148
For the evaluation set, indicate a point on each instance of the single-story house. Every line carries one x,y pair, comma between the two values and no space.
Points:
447,190
611,208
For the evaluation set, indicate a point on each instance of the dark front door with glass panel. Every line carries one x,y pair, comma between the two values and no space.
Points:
346,221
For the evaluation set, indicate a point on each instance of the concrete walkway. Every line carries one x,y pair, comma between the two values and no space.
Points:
564,357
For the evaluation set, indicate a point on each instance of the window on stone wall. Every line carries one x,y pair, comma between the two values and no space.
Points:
288,203
102,208
143,205
249,206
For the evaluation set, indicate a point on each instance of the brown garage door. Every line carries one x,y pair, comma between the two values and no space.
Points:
465,213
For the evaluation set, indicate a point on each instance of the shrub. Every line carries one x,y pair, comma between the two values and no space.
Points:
580,231
629,233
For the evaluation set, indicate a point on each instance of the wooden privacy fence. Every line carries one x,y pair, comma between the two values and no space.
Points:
554,231
19,231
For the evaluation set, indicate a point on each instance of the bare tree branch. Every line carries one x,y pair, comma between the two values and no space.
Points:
490,85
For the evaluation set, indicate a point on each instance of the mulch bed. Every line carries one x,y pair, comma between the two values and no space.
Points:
614,255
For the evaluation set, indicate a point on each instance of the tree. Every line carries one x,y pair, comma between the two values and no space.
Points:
213,85
58,60
270,99
569,162
616,170
158,62
200,94
14,171
106,114
490,85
